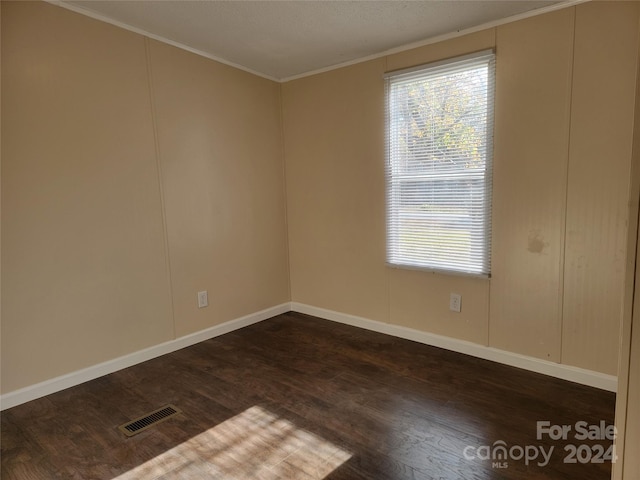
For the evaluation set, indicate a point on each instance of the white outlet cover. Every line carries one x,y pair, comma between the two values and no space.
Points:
203,299
455,302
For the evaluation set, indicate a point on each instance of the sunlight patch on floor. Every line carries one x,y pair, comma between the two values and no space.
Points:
256,444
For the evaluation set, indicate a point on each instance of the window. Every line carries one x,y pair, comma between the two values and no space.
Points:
439,152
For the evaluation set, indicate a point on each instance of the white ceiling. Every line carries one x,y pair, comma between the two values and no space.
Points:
286,39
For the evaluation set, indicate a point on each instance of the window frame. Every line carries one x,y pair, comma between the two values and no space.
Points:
483,268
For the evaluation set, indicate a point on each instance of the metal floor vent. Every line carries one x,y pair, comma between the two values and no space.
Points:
150,419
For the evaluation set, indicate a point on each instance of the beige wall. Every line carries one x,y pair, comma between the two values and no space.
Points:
599,170
335,193
107,182
135,174
533,96
219,138
564,110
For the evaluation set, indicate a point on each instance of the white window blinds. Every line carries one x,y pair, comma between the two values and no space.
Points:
439,152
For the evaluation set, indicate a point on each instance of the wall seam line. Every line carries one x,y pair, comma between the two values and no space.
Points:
160,177
283,157
565,205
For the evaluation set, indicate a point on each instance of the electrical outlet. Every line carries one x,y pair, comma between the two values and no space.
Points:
203,299
455,302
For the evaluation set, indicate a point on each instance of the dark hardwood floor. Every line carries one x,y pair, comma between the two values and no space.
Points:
296,397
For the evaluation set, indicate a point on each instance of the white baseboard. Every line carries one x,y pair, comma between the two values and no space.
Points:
47,387
558,370
564,372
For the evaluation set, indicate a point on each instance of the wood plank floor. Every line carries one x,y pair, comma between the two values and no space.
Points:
296,397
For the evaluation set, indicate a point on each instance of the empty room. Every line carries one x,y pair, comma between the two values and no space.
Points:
320,240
